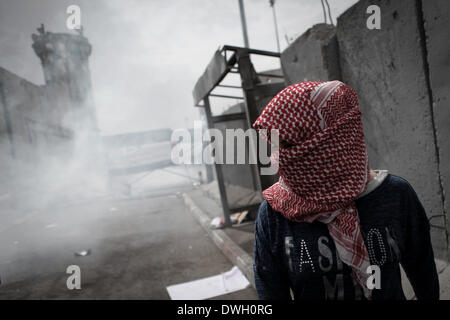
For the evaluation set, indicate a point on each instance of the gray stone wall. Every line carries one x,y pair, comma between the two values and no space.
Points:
387,69
21,102
312,56
436,16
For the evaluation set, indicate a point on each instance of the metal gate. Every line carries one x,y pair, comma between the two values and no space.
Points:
239,185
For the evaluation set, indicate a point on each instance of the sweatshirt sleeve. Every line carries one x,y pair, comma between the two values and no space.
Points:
418,257
271,278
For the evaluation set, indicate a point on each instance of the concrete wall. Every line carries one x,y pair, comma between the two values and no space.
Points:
397,73
312,56
21,102
35,121
436,16
386,67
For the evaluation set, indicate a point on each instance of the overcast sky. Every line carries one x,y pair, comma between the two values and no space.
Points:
148,54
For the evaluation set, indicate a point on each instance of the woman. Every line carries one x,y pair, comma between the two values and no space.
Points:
332,228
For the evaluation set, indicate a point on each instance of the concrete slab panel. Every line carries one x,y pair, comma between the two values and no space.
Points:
386,67
312,56
436,15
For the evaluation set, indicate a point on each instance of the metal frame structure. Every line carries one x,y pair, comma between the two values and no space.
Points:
232,59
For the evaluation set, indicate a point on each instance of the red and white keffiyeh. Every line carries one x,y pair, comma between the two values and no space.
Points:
322,162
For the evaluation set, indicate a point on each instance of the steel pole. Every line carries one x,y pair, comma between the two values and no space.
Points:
276,26
244,23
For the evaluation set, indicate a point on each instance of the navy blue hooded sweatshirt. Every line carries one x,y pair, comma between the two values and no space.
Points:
302,257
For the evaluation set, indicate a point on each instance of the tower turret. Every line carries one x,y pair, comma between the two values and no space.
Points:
64,59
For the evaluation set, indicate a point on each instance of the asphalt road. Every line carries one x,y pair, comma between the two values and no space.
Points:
138,248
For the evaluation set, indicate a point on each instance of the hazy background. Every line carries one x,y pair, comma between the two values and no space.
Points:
147,55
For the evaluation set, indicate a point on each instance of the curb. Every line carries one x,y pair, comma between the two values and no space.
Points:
230,249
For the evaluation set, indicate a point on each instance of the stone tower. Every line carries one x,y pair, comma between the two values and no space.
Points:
64,59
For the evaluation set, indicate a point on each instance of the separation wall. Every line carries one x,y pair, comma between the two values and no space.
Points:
399,73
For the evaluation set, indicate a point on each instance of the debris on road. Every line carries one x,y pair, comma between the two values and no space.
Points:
239,217
217,223
236,218
230,281
83,253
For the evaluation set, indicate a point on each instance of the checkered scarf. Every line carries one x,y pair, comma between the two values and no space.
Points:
322,163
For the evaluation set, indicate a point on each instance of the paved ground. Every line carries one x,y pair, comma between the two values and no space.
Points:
139,247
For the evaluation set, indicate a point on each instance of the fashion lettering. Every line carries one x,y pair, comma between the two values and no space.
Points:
300,259
374,242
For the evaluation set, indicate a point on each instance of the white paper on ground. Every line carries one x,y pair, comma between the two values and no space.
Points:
216,223
205,288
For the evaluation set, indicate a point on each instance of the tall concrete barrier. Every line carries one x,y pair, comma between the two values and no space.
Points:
436,15
312,56
387,68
